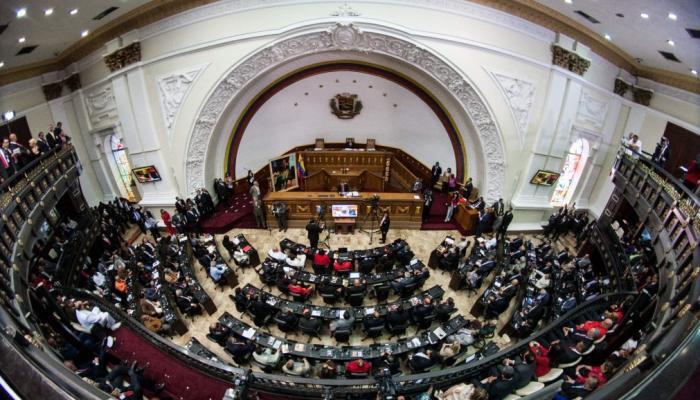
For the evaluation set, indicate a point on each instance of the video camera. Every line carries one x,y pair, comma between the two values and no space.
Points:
373,201
385,383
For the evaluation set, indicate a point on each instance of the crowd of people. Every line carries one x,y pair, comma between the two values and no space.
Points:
15,155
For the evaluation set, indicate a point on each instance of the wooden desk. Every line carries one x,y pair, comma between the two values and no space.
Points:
346,225
404,208
467,218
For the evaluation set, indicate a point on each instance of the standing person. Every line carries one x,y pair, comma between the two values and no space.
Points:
507,219
6,165
635,146
445,178
229,189
452,204
152,225
313,230
42,143
167,220
435,174
19,152
259,214
280,211
255,191
662,152
50,137
250,178
468,188
220,189
428,202
384,226
451,183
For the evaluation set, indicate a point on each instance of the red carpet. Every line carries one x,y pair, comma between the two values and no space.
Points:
181,381
239,214
436,218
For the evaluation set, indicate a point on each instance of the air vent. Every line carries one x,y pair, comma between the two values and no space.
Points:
2,28
694,33
105,13
669,56
588,17
26,50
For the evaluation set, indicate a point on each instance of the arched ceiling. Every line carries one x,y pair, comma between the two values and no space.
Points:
60,43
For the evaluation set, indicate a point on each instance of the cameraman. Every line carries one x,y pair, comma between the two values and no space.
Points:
280,211
313,230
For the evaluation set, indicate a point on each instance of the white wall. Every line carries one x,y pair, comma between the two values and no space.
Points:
299,113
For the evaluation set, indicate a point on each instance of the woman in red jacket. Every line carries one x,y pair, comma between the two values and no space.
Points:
165,216
542,366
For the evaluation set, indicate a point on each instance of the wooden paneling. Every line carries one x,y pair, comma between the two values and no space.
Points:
685,145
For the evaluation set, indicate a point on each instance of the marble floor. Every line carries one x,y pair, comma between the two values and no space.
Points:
421,242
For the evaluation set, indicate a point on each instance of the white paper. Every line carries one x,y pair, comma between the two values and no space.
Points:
249,333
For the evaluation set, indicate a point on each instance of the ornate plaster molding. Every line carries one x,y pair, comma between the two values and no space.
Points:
125,56
592,110
620,87
345,10
569,60
101,105
341,37
52,91
520,95
172,89
642,95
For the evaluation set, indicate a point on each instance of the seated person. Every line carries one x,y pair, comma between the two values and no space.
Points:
241,300
267,357
601,372
450,349
241,258
89,318
286,319
309,323
449,260
541,354
602,327
372,321
345,321
328,288
217,270
277,255
228,245
297,288
154,324
219,332
572,389
502,385
328,370
396,316
389,361
321,259
464,336
295,261
342,266
356,287
402,281
297,368
422,360
422,310
473,279
187,304
366,263
259,308
239,349
358,366
445,309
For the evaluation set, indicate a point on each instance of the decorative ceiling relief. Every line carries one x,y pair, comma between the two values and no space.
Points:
591,110
101,106
173,89
520,95
342,37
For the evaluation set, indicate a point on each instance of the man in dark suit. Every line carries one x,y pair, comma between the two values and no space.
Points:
501,386
42,143
343,187
498,207
309,323
384,226
507,219
51,139
372,321
468,188
662,152
435,173
313,229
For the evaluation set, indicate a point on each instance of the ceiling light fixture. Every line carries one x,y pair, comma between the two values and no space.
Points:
672,16
2,64
644,15
8,115
607,37
22,12
694,72
73,11
48,11
568,1
671,42
22,39
84,33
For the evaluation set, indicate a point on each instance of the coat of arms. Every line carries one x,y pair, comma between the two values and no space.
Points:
345,105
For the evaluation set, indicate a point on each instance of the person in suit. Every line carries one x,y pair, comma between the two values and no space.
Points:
219,332
422,360
422,310
7,165
662,152
384,226
309,323
286,319
50,137
395,316
372,321
42,143
501,386
507,219
343,187
498,207
468,188
313,229
435,173
427,203
345,321
239,349
280,211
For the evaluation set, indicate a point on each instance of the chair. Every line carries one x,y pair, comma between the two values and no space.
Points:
357,375
285,327
397,330
381,291
512,397
355,299
407,291
373,332
262,320
310,332
320,269
342,335
571,364
427,321
329,298
299,298
551,376
530,388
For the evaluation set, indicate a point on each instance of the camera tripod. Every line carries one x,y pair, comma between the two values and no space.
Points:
373,217
321,219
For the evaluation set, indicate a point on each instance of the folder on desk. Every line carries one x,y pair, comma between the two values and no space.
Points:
439,332
369,310
416,342
316,312
277,344
299,347
248,333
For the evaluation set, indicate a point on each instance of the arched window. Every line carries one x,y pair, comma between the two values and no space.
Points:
123,166
573,167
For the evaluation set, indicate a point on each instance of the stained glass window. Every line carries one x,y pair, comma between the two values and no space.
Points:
123,166
573,167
